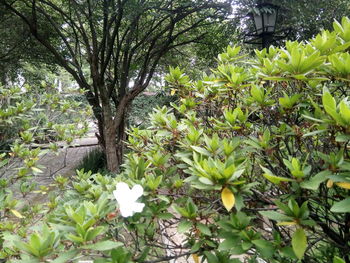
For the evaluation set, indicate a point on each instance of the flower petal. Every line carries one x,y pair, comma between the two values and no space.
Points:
138,207
137,191
127,197
125,211
122,192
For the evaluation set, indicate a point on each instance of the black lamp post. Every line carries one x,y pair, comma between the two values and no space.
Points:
264,16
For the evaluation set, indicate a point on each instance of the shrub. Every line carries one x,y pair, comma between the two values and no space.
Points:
267,136
29,116
253,160
143,105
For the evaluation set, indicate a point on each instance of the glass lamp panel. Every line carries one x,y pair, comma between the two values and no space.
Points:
258,23
270,22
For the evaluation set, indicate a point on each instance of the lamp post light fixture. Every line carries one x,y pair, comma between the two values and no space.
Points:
264,16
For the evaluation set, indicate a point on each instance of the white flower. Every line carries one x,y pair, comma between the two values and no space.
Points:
127,199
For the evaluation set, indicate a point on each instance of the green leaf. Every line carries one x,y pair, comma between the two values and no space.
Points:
246,245
299,243
31,250
35,241
344,111
314,133
273,178
93,232
182,211
342,206
184,226
330,106
314,182
165,216
75,238
276,216
338,260
144,254
3,162
229,243
342,138
201,150
120,254
103,245
210,257
205,180
239,204
204,229
65,256
264,247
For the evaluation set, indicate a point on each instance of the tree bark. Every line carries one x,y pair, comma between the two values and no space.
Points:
109,136
120,140
110,147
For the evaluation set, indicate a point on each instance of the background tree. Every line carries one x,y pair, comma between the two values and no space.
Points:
18,49
121,42
304,18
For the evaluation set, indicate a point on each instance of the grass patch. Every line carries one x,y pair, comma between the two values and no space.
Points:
94,161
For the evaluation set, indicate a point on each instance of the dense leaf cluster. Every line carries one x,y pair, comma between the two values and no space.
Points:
252,160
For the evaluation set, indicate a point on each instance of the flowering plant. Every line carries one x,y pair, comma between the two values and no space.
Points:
253,160
127,199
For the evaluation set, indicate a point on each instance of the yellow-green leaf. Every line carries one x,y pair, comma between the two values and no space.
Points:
195,258
344,111
273,178
228,198
344,185
16,213
299,243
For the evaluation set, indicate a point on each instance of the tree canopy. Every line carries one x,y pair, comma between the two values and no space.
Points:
121,42
18,47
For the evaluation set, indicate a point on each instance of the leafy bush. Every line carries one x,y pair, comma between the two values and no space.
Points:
143,105
252,161
31,117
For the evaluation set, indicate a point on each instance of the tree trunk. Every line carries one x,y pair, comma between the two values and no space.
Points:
109,135
3,81
121,136
112,137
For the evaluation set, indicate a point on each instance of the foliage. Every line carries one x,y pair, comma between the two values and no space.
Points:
143,105
33,115
121,43
94,161
17,46
24,108
253,160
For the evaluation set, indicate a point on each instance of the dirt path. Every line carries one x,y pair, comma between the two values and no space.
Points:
62,163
